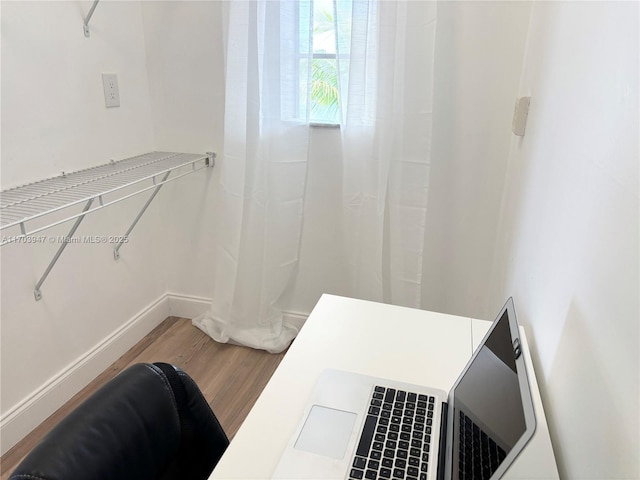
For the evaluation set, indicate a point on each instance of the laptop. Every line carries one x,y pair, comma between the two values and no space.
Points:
360,427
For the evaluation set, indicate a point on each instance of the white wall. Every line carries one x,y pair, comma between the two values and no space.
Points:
479,54
54,119
569,236
183,41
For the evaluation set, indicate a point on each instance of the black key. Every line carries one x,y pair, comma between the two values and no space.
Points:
398,473
385,473
403,454
416,443
387,406
421,411
371,475
383,421
414,452
381,429
392,436
411,405
422,398
422,404
376,402
390,395
431,399
379,437
425,457
430,414
405,436
394,427
398,404
428,430
407,420
395,419
355,473
411,397
373,464
424,467
387,462
377,445
401,463
385,413
427,438
391,444
359,462
388,453
367,436
403,445
430,406
419,418
401,395
423,476
406,428
380,389
412,471
414,461
429,421
375,454
378,396
397,412
374,410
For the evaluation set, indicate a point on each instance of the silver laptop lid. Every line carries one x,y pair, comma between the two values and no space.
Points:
492,400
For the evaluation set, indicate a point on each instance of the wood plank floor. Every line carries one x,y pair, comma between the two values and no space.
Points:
231,378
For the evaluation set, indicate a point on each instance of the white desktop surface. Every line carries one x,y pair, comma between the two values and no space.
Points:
363,337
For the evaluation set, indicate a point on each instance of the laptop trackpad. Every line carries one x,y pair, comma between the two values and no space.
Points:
326,431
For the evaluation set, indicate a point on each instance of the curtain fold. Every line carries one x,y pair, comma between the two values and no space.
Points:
386,55
384,62
262,174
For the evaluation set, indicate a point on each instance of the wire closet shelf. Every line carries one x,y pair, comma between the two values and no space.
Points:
21,205
34,207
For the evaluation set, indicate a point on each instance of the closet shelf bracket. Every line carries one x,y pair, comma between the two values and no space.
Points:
68,239
32,208
87,32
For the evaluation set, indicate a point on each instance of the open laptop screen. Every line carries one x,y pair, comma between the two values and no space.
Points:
488,415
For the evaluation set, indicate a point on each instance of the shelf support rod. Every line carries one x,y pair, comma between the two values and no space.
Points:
116,250
65,242
87,32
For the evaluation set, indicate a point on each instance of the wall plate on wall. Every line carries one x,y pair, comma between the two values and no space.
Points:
111,90
520,114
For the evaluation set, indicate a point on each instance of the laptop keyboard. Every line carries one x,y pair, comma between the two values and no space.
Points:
396,439
479,456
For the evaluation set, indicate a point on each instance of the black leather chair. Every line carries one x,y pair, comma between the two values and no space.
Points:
149,422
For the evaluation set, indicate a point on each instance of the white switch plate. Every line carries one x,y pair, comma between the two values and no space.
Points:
111,90
520,114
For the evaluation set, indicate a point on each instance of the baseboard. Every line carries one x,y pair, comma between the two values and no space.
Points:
187,306
38,406
191,306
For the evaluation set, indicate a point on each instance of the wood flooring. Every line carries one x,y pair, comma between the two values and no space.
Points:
230,377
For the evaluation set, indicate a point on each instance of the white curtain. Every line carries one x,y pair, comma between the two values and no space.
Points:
384,54
262,173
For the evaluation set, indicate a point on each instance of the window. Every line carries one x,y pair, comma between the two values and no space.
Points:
322,87
324,68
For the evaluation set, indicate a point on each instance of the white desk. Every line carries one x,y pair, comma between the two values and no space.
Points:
372,339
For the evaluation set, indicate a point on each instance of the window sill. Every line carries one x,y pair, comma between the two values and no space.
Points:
324,125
